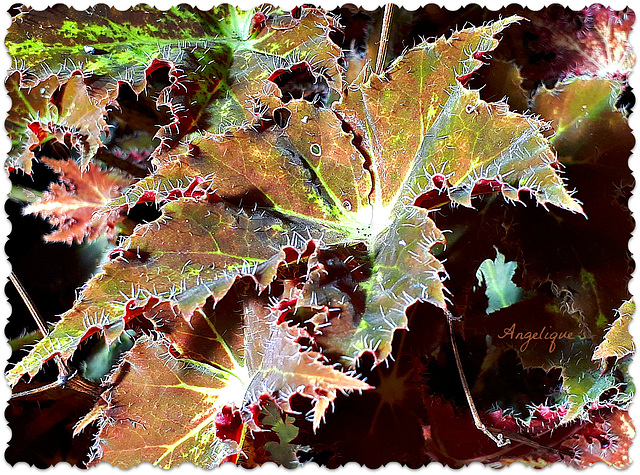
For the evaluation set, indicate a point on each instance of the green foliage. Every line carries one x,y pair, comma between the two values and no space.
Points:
282,452
100,361
497,276
302,210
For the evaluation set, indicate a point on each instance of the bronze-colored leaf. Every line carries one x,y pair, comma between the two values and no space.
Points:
199,242
71,204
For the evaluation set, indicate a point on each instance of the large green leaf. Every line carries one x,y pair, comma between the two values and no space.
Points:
217,59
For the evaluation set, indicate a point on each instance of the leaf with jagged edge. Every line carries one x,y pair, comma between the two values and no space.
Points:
193,241
366,191
450,120
275,360
169,407
27,104
121,45
81,114
279,168
445,133
613,432
70,205
214,85
546,336
283,43
216,365
53,109
587,387
318,185
502,79
281,452
584,117
617,341
496,275
217,59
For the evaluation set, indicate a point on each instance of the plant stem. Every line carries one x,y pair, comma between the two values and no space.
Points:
39,389
498,438
384,38
111,160
62,367
26,195
64,374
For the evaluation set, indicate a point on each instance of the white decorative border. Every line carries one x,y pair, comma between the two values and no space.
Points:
269,469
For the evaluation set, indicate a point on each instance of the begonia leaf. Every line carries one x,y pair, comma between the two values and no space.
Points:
275,179
583,111
198,241
202,364
63,110
71,204
617,341
27,106
362,202
165,432
217,60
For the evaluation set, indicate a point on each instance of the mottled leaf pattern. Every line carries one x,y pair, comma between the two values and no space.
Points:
399,236
297,220
72,114
170,431
217,60
430,132
27,106
192,248
203,365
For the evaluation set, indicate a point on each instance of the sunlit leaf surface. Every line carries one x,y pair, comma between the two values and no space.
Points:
302,226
